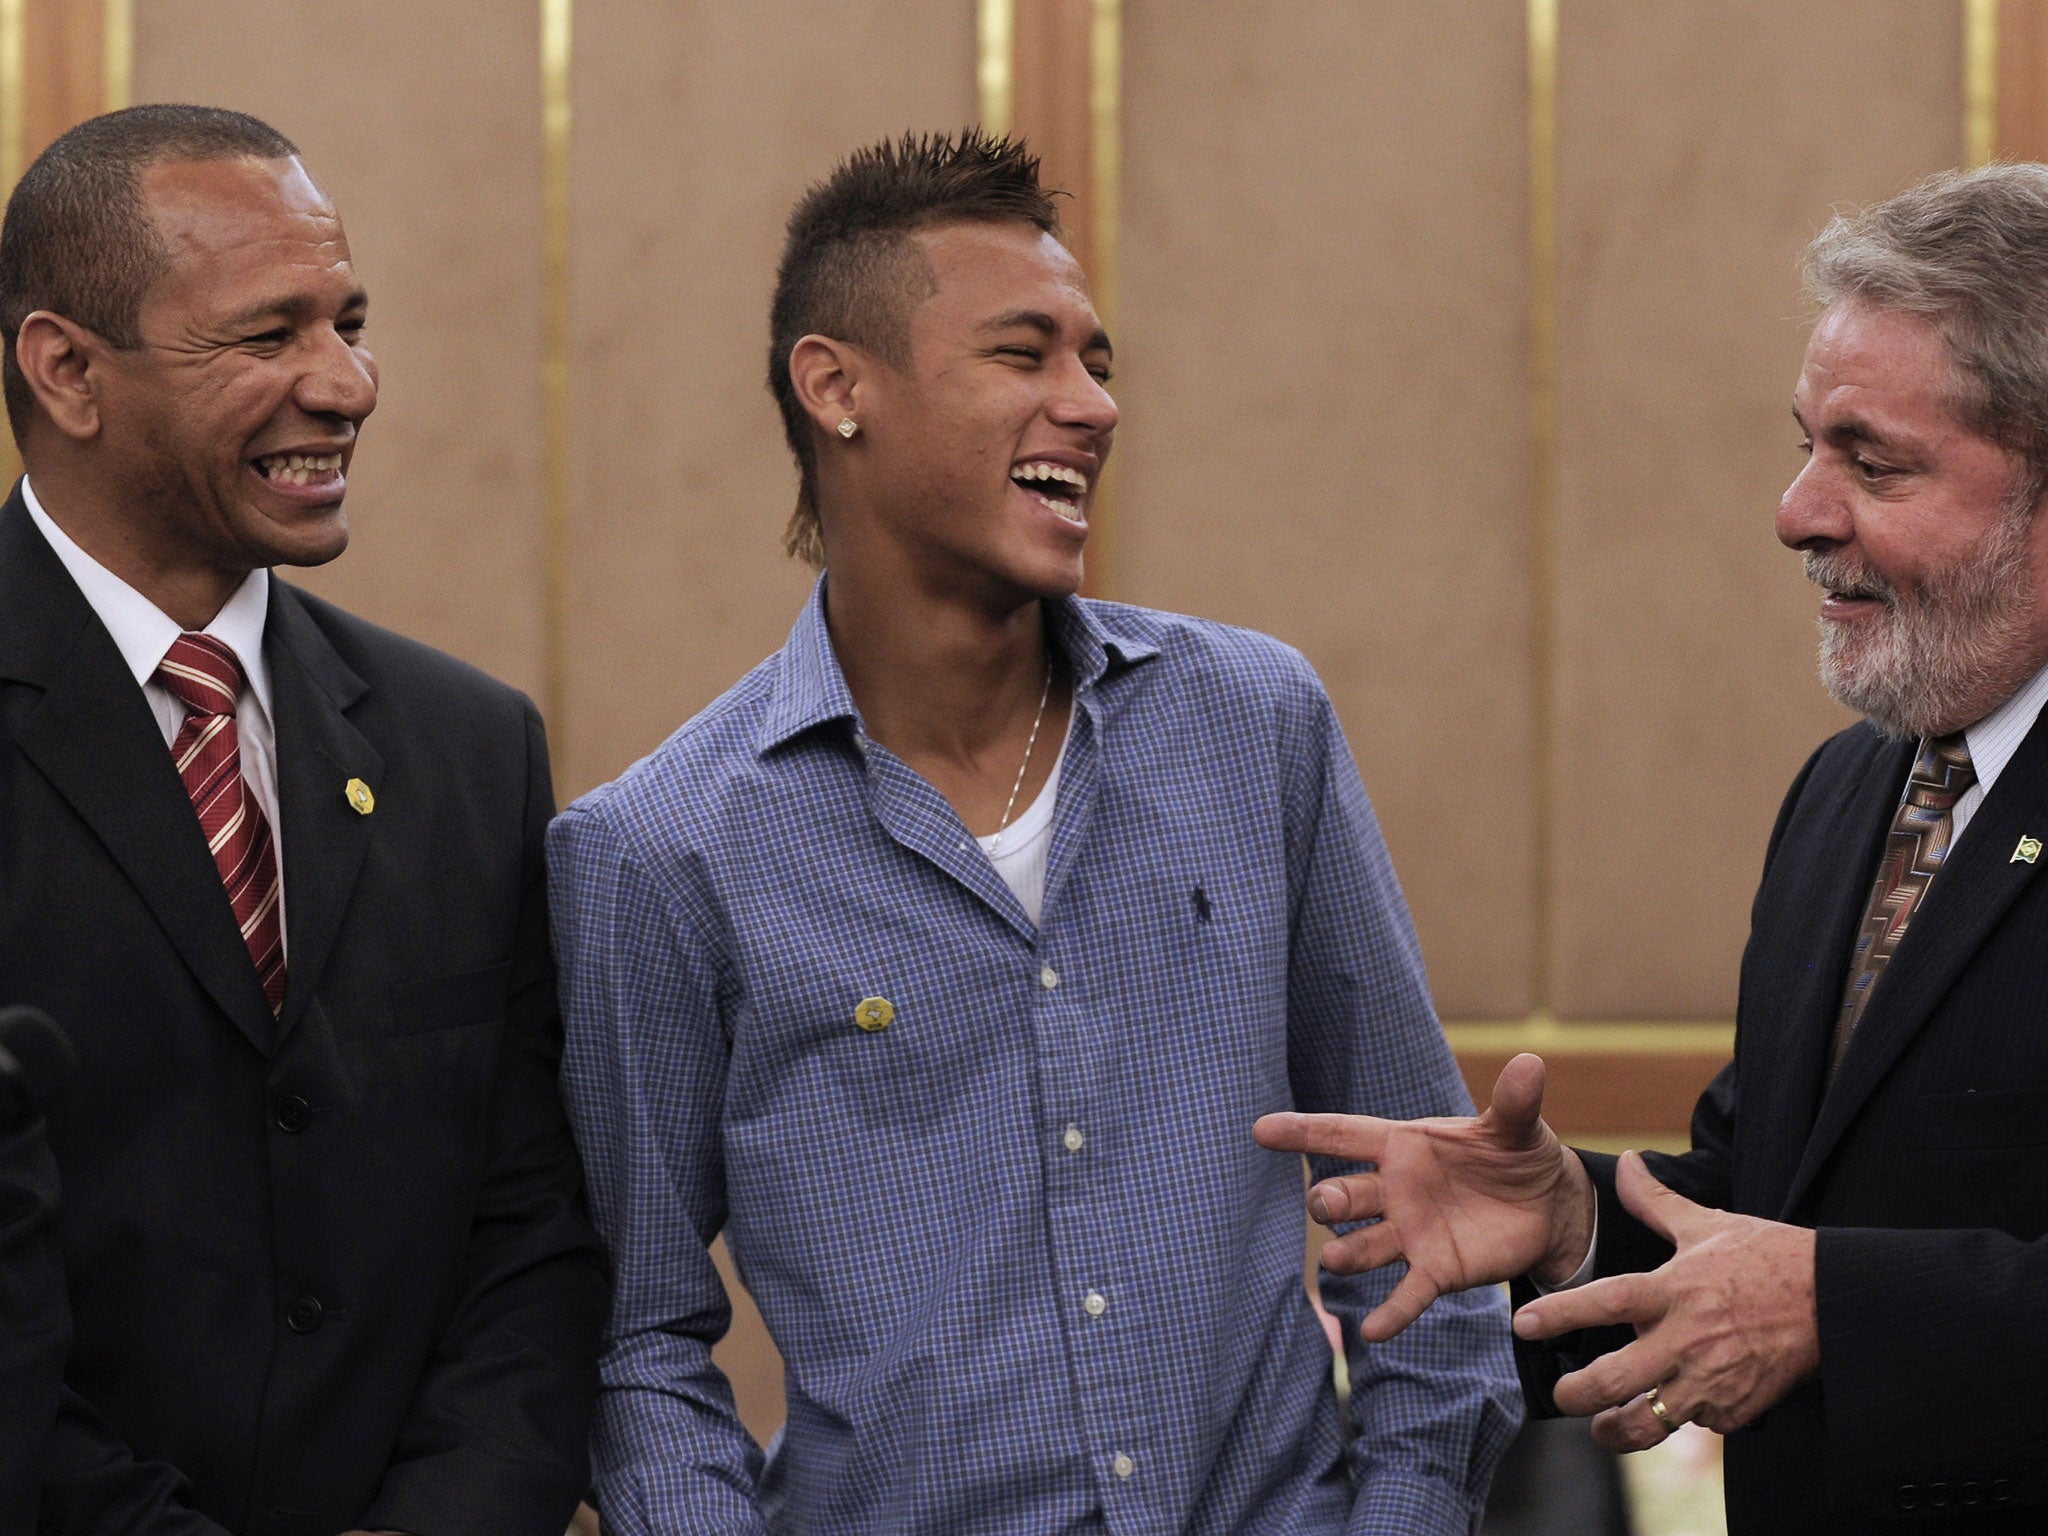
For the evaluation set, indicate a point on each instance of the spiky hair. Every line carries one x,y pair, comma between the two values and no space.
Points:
851,271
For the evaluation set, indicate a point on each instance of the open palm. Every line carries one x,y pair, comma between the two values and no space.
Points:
1465,1200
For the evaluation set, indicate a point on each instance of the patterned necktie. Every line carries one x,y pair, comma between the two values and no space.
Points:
206,677
1913,855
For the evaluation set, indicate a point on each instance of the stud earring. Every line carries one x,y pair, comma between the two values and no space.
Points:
847,427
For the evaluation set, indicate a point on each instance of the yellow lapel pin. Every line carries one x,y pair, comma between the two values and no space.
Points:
360,798
873,1013
2028,851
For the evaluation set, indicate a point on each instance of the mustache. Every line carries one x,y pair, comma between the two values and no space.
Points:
1842,576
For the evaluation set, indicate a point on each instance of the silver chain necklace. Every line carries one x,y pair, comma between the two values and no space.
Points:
1037,720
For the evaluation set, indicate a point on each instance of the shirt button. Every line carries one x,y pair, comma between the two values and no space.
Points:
1073,1141
1123,1466
1095,1304
1048,978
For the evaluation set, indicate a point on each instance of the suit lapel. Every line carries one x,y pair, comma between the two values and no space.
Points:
95,739
319,751
1813,923
1975,888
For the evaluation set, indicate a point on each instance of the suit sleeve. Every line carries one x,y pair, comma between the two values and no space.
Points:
496,1439
38,1321
645,1078
1435,1408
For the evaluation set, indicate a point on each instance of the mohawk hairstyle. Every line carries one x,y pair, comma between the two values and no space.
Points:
77,241
850,270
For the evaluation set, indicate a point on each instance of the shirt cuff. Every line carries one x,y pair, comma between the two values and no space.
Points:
1393,1505
1584,1272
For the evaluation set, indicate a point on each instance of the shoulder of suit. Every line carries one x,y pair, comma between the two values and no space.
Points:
387,661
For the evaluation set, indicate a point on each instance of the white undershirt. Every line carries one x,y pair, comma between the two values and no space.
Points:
143,633
1020,850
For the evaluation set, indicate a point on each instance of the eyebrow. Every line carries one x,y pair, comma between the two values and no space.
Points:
1038,320
1853,430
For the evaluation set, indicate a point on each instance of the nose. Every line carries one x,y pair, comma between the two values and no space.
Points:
1084,401
1812,513
340,379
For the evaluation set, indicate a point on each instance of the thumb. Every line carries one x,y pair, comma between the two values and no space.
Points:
1517,1108
1664,1211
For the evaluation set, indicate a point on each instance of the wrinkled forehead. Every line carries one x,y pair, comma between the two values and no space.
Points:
208,206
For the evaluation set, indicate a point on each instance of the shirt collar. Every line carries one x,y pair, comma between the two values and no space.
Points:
1994,739
144,632
810,689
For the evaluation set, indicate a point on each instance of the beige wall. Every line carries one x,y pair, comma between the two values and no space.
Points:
1323,360
1700,147
422,121
1324,353
698,125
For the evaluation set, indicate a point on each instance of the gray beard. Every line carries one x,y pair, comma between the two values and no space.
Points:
1947,659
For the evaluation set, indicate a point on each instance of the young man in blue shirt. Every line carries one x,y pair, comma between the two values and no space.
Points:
945,962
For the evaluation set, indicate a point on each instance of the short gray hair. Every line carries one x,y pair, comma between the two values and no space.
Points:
1968,252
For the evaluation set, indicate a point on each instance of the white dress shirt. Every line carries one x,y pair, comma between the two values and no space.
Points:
144,633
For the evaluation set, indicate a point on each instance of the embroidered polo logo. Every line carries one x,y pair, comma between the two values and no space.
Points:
2028,851
873,1013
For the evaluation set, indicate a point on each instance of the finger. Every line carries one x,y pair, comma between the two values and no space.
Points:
1353,1197
1613,1379
1408,1301
1638,1298
1367,1248
1634,1426
1517,1107
1357,1137
1666,1212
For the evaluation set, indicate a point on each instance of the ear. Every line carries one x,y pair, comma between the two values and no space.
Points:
826,375
63,363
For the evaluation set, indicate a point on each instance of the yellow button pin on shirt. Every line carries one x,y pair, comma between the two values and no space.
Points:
360,798
2028,851
873,1013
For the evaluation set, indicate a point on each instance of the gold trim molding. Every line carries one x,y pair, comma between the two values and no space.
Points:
117,55
557,23
1980,81
996,63
1542,87
1593,1037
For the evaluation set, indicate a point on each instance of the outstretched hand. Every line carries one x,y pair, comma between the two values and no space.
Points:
1723,1330
1465,1200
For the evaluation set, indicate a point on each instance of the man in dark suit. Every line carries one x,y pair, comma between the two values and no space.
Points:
280,873
1848,1273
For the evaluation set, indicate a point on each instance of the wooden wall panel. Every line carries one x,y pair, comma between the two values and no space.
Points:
697,126
1700,147
429,142
1323,366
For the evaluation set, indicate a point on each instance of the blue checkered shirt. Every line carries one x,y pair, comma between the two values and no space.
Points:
1026,1267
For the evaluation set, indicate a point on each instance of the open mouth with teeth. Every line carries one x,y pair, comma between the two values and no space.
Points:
298,468
1062,489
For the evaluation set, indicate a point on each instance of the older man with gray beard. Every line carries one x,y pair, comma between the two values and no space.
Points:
1848,1273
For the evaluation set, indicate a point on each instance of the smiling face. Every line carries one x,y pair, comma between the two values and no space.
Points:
229,431
1937,605
980,457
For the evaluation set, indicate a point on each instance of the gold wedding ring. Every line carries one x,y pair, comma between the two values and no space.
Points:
1663,1414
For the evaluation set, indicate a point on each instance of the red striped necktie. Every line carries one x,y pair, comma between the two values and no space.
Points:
206,677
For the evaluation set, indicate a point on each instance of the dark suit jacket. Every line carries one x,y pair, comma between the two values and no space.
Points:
330,1269
1924,1166
35,1325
